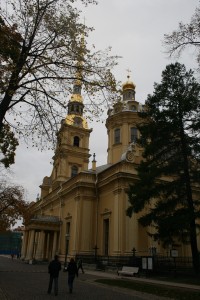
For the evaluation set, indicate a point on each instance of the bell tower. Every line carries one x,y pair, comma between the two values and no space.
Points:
122,122
72,151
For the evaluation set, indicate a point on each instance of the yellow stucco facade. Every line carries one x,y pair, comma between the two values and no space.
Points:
81,209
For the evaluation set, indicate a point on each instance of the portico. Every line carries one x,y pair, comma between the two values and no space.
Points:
41,238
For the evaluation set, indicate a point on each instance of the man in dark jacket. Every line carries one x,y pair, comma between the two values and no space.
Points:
72,271
54,269
80,265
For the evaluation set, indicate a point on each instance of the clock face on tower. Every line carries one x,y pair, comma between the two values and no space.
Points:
77,89
78,121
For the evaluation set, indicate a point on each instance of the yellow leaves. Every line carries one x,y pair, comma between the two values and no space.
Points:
8,145
51,63
12,205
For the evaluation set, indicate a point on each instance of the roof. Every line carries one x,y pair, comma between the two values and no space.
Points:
100,169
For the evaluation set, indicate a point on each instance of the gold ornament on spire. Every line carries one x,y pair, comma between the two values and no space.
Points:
128,84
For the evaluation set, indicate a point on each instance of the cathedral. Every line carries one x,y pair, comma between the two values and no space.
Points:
82,211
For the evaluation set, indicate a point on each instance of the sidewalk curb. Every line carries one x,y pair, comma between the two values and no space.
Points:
147,280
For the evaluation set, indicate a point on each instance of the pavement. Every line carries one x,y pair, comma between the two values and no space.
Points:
19,280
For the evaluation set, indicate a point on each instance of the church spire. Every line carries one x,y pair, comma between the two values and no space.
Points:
79,74
75,105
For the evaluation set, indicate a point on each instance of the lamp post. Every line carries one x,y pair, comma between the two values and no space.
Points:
133,250
67,236
95,252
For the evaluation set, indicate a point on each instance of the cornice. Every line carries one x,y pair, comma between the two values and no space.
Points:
107,212
118,190
68,217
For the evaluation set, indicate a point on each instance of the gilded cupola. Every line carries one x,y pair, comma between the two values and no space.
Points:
128,89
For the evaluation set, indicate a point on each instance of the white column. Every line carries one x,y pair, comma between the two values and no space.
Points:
24,244
77,243
29,254
117,223
47,248
40,247
54,244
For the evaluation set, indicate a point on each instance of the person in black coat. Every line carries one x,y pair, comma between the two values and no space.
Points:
80,265
72,271
54,269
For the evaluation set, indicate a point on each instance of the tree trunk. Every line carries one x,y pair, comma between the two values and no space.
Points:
13,85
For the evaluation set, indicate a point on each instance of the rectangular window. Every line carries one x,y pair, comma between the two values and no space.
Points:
117,136
133,135
106,236
67,237
74,171
68,228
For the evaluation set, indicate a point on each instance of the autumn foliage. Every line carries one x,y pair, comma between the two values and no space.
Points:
13,207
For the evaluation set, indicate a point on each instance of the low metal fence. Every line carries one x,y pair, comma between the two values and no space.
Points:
103,262
160,264
175,265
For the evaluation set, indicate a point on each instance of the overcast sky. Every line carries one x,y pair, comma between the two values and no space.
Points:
135,30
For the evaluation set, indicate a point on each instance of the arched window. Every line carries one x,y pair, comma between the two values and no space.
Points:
134,134
76,141
117,136
133,108
128,95
74,171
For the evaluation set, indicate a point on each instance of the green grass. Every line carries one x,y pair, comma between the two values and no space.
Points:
189,279
164,291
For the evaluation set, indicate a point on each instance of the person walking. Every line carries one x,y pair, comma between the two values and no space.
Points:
54,269
72,271
80,265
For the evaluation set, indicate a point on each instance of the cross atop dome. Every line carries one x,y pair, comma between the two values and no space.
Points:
128,85
129,72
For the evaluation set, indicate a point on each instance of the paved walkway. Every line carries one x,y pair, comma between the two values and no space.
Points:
19,280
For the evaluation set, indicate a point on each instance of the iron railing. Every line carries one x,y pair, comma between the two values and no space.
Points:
161,264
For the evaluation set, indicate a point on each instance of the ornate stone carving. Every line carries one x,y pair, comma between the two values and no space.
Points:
131,153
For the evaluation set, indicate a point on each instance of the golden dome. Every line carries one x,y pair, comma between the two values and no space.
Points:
76,98
128,85
76,120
